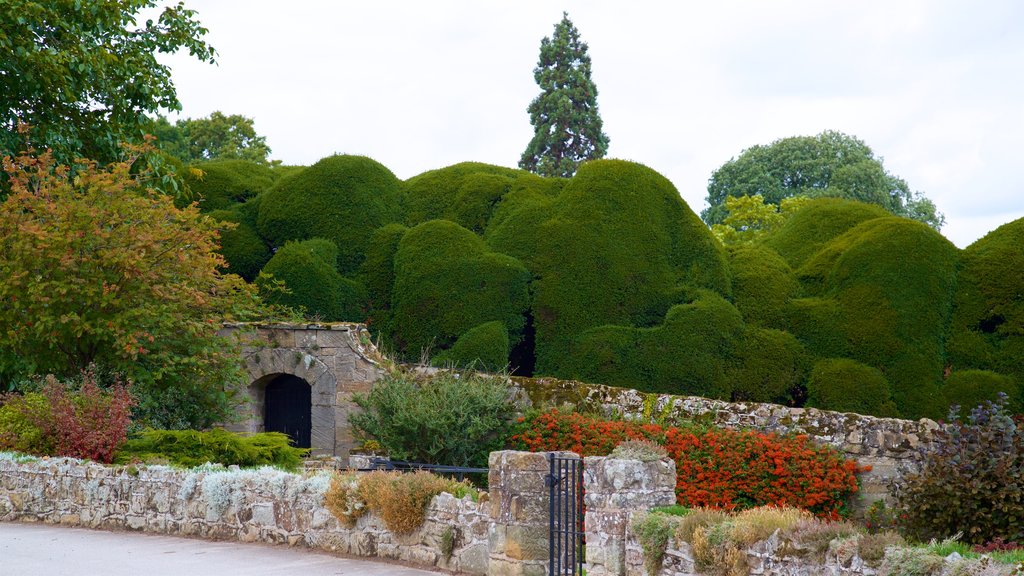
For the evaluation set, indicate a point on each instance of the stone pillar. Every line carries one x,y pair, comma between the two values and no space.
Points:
613,488
518,533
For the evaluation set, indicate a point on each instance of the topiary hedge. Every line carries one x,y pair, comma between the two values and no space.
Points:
340,198
768,366
313,283
892,282
484,347
970,388
762,285
845,385
817,223
446,282
985,332
225,183
686,354
377,273
618,246
246,253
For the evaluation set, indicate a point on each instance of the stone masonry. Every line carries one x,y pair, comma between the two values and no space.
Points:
336,360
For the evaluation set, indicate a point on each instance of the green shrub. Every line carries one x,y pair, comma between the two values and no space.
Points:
454,419
817,223
768,366
617,247
340,198
24,420
225,183
762,285
970,482
313,283
966,388
892,281
377,273
685,355
191,448
243,249
985,332
447,282
654,531
845,385
485,347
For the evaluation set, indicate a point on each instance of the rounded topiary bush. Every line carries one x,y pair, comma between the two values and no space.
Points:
845,385
969,388
484,347
686,354
892,281
313,283
340,198
377,272
246,253
616,247
446,282
225,183
762,285
988,314
817,223
769,366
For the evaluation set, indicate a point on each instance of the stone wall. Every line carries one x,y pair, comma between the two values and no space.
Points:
335,359
889,445
265,505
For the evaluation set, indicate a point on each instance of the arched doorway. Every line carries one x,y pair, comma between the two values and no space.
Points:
287,408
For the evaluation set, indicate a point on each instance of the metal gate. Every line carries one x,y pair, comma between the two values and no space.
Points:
565,505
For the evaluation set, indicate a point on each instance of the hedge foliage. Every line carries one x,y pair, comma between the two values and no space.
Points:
970,388
618,246
816,224
446,282
243,249
892,282
483,347
986,331
191,448
762,285
768,366
225,183
377,273
846,385
340,198
313,284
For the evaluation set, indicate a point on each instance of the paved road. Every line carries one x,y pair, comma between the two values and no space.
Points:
47,550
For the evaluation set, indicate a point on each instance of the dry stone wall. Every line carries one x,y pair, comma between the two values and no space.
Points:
890,446
264,505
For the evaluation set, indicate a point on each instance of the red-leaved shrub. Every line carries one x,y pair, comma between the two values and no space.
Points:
716,468
90,423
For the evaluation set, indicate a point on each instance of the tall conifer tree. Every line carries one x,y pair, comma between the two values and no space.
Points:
567,125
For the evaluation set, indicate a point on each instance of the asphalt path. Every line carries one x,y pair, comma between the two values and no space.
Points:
48,550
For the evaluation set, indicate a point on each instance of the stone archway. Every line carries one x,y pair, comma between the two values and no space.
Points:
266,365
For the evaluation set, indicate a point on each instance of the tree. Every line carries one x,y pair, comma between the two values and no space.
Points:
750,216
100,268
217,137
567,125
829,164
84,75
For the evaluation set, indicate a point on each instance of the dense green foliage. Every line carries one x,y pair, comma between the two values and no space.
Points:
846,385
971,482
85,74
340,198
224,183
244,252
617,246
219,137
453,419
762,285
484,347
565,119
829,164
817,223
312,282
191,448
377,273
447,281
966,388
767,366
988,317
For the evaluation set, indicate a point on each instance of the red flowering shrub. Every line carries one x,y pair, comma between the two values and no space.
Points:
716,468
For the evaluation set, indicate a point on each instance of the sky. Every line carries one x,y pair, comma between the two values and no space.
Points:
932,86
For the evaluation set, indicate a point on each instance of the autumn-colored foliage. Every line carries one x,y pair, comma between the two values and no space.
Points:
716,468
99,267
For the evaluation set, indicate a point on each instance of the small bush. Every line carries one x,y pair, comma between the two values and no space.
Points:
873,546
342,499
815,535
970,482
642,450
24,422
698,518
399,499
911,562
454,419
308,272
845,385
191,448
485,347
967,388
653,530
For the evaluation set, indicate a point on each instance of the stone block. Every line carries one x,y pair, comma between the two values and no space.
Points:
333,338
472,559
527,542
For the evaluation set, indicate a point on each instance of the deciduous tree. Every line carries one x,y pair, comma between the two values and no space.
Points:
218,137
566,123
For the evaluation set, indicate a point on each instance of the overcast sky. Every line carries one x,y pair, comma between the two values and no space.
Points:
934,87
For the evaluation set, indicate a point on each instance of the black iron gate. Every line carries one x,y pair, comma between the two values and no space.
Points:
288,408
565,505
